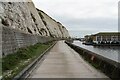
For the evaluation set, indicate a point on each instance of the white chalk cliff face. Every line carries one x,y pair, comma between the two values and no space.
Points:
25,17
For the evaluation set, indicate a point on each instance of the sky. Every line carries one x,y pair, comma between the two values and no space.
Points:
82,17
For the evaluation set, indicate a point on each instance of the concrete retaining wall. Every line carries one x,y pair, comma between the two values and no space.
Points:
107,66
13,39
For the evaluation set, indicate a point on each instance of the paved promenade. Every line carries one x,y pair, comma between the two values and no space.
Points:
64,62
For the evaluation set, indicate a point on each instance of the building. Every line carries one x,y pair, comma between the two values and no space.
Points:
106,37
88,38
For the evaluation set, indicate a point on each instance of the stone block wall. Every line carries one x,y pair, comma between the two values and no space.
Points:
13,39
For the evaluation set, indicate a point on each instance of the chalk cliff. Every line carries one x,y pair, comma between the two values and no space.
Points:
25,17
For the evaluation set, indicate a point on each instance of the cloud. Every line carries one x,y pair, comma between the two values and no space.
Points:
91,23
95,15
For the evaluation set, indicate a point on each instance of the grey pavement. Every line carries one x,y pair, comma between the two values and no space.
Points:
64,62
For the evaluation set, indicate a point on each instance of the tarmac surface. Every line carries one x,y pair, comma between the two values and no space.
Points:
64,62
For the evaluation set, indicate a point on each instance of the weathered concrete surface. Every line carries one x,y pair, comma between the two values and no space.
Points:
64,62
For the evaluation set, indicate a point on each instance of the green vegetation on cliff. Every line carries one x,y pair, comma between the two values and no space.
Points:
14,63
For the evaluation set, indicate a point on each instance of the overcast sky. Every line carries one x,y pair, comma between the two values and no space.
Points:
82,17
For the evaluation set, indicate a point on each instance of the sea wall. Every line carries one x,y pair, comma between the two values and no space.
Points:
107,66
13,39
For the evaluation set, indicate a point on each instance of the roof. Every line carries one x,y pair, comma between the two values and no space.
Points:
87,35
108,33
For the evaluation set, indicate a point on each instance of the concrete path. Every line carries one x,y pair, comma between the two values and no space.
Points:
64,62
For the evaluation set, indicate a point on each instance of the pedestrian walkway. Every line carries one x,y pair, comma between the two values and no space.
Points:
64,62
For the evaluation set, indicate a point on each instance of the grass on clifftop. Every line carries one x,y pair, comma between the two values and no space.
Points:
14,63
